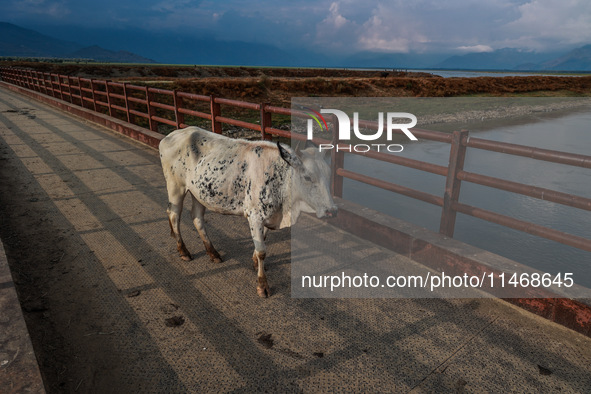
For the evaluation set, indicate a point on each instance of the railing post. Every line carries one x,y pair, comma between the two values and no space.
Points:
40,81
127,101
59,84
35,75
108,90
216,111
178,104
48,83
337,160
265,122
457,156
44,84
69,86
32,80
151,110
51,83
93,89
80,92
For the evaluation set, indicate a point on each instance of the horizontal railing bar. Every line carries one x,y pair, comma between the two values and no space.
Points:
118,96
118,107
163,106
295,136
160,91
199,114
135,87
238,123
419,195
138,113
403,161
239,104
531,152
137,100
527,190
163,120
193,96
278,110
527,227
279,132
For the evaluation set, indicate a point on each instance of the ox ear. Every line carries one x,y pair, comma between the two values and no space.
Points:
290,158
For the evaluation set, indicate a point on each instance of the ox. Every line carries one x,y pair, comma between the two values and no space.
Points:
268,183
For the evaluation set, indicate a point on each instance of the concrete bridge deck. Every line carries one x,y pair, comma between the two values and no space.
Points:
98,277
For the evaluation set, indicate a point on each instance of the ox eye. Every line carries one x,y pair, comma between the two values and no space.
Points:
307,178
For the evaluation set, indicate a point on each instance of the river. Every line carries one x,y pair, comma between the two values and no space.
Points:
569,133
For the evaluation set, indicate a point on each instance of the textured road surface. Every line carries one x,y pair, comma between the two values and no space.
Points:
84,213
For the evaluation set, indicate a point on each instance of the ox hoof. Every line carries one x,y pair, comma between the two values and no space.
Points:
215,260
263,288
186,257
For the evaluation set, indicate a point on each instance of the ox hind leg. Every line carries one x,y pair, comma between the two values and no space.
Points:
258,236
255,260
176,195
197,212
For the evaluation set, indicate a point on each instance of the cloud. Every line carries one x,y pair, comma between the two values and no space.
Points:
335,19
475,48
544,23
53,9
334,26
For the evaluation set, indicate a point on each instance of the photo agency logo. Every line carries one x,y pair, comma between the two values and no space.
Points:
344,130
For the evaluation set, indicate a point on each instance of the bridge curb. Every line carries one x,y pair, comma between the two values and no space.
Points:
19,370
456,258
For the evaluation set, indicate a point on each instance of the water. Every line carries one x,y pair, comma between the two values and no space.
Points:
472,74
570,133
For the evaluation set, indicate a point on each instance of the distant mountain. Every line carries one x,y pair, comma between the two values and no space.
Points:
578,59
201,48
164,47
501,59
104,55
18,41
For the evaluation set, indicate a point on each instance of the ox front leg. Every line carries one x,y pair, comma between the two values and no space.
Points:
197,212
175,208
258,236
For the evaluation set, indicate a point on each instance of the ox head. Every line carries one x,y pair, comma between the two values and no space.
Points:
310,181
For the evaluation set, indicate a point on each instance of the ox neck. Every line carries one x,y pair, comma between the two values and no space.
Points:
292,206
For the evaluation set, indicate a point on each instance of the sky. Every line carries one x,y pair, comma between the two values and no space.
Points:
329,26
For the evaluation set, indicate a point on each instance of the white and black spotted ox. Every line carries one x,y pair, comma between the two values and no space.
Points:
269,183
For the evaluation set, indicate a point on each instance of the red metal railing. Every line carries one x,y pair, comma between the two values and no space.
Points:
124,100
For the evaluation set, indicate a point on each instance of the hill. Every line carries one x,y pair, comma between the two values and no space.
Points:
16,41
578,59
104,55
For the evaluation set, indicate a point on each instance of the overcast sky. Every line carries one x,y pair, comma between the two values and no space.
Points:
343,26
